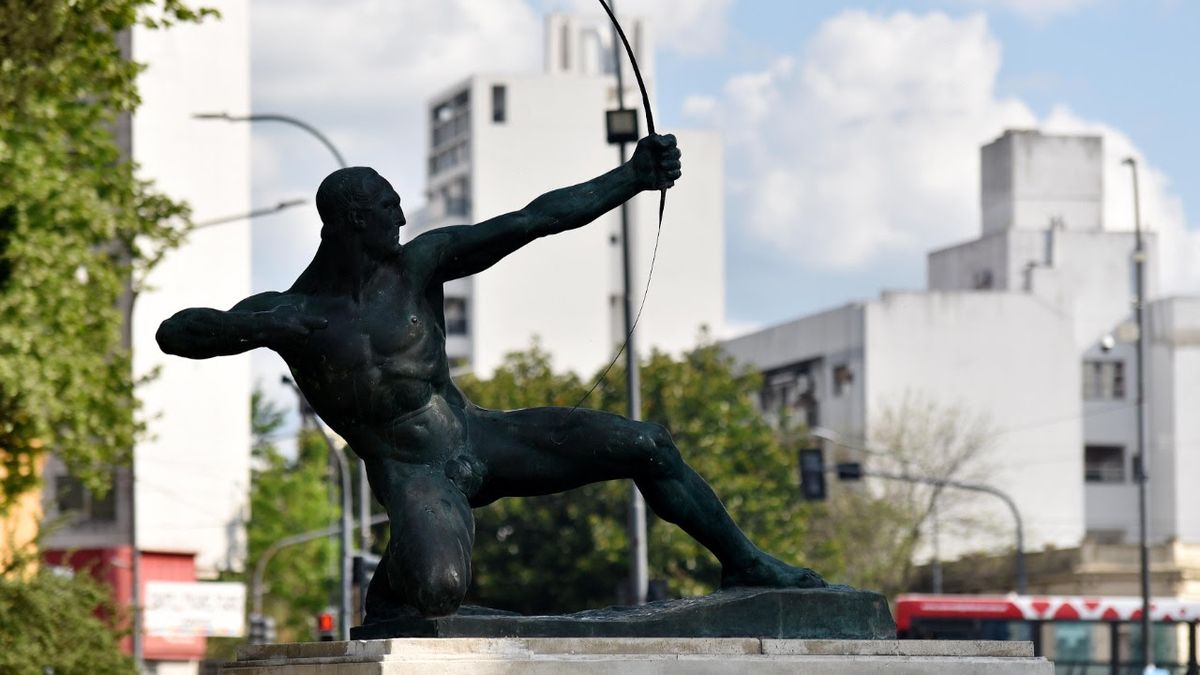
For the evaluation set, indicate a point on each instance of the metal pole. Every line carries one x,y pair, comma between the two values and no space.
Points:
1142,464
1022,576
286,119
260,567
639,575
265,211
135,571
936,566
347,527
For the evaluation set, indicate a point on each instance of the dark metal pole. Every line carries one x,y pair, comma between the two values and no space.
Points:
1022,577
639,575
265,211
1142,464
346,528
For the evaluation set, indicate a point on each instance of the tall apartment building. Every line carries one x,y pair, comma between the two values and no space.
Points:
1030,325
190,483
498,140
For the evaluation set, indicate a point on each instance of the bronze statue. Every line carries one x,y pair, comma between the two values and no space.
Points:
363,332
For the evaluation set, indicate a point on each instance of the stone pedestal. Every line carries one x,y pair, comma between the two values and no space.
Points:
837,613
639,656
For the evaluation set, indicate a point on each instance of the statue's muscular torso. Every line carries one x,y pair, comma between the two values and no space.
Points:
378,372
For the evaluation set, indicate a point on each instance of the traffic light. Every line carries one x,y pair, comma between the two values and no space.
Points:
812,474
262,629
326,626
849,471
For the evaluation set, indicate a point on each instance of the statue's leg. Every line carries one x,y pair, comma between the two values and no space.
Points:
546,450
427,565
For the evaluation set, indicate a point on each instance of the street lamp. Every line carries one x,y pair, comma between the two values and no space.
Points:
621,128
1021,575
1140,465
346,525
364,504
272,117
265,211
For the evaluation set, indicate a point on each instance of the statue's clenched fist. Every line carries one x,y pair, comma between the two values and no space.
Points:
656,161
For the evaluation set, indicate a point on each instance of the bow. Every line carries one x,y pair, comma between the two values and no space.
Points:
662,201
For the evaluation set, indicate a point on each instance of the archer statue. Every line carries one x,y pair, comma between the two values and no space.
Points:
363,332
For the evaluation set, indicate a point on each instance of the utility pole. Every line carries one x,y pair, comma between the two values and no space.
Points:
1141,465
639,575
346,529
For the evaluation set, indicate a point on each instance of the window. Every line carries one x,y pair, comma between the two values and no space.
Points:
843,377
72,498
499,103
983,280
1104,464
456,316
1103,380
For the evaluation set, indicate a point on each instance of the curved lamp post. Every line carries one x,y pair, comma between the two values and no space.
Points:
286,119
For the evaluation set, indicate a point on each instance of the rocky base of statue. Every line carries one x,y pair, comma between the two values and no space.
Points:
840,613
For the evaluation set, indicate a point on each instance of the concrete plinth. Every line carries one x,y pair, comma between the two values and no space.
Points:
639,656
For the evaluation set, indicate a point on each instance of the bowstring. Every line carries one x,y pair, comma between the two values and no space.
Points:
662,203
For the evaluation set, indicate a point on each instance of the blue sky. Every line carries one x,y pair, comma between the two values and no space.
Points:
852,129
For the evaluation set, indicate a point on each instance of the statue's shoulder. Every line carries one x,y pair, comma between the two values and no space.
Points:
286,300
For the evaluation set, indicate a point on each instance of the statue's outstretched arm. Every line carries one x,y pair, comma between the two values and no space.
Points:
464,250
264,320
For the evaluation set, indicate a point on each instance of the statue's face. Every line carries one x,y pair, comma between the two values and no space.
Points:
382,219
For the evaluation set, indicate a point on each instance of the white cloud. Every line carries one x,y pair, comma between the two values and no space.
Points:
864,148
866,145
1037,10
688,27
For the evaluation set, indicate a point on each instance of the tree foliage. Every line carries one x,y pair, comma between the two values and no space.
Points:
916,436
566,552
289,496
77,231
65,624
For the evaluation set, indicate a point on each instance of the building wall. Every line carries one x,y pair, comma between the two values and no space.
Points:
566,290
193,469
826,340
1030,180
1004,358
1173,397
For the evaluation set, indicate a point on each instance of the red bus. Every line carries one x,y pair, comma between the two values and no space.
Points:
1082,635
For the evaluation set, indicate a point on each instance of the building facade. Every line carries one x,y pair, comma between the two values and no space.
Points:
188,493
1031,326
497,141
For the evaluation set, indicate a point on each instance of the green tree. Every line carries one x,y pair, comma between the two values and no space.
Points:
77,232
56,622
567,552
289,496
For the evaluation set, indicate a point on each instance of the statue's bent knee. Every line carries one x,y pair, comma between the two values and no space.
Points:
656,449
430,558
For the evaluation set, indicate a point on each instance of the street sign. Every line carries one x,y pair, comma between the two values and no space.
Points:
176,609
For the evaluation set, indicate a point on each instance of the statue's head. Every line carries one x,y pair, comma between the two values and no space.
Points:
357,201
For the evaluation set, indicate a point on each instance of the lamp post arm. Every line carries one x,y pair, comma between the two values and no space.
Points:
260,567
286,119
1022,579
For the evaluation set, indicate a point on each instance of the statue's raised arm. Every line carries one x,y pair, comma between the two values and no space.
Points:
463,250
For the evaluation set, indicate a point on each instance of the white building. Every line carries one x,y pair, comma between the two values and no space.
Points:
193,465
1030,325
498,140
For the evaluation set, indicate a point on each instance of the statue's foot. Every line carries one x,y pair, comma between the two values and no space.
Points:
768,572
